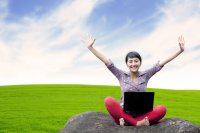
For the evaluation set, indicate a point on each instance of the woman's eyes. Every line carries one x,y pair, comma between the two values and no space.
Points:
133,61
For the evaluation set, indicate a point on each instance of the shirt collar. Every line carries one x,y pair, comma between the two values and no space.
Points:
140,73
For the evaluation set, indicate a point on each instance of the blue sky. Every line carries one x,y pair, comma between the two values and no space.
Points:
40,40
21,8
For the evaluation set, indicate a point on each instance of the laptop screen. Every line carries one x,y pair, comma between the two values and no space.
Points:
138,102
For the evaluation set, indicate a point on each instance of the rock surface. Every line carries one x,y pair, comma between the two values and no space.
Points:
96,122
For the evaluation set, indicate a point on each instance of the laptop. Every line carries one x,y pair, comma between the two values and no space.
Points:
138,103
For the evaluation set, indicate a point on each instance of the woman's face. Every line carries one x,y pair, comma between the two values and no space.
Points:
133,64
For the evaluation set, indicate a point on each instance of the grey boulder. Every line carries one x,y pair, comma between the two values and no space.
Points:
97,122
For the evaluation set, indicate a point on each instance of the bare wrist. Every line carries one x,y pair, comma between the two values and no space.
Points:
89,47
181,50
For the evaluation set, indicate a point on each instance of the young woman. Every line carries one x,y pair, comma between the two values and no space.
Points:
135,80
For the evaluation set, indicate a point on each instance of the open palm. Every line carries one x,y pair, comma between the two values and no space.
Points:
89,40
181,42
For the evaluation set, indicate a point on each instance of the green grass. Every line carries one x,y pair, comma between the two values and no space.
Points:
46,108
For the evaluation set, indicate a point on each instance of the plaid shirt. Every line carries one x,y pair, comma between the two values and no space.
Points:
127,84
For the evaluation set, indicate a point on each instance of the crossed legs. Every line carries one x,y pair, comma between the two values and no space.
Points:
116,111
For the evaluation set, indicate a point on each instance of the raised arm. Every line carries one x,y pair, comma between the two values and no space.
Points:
89,41
181,42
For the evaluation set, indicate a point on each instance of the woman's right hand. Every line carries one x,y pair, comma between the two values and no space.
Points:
89,41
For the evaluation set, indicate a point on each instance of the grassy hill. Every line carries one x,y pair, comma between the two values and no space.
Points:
46,108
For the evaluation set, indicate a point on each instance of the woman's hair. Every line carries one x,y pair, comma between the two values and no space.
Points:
133,54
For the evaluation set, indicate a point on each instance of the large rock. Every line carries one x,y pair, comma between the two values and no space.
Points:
96,122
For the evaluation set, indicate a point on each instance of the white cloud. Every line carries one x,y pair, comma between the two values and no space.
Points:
47,49
178,18
37,50
3,9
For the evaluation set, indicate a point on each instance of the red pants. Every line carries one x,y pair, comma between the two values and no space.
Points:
117,112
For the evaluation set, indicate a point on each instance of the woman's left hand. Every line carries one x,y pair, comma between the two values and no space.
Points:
181,42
